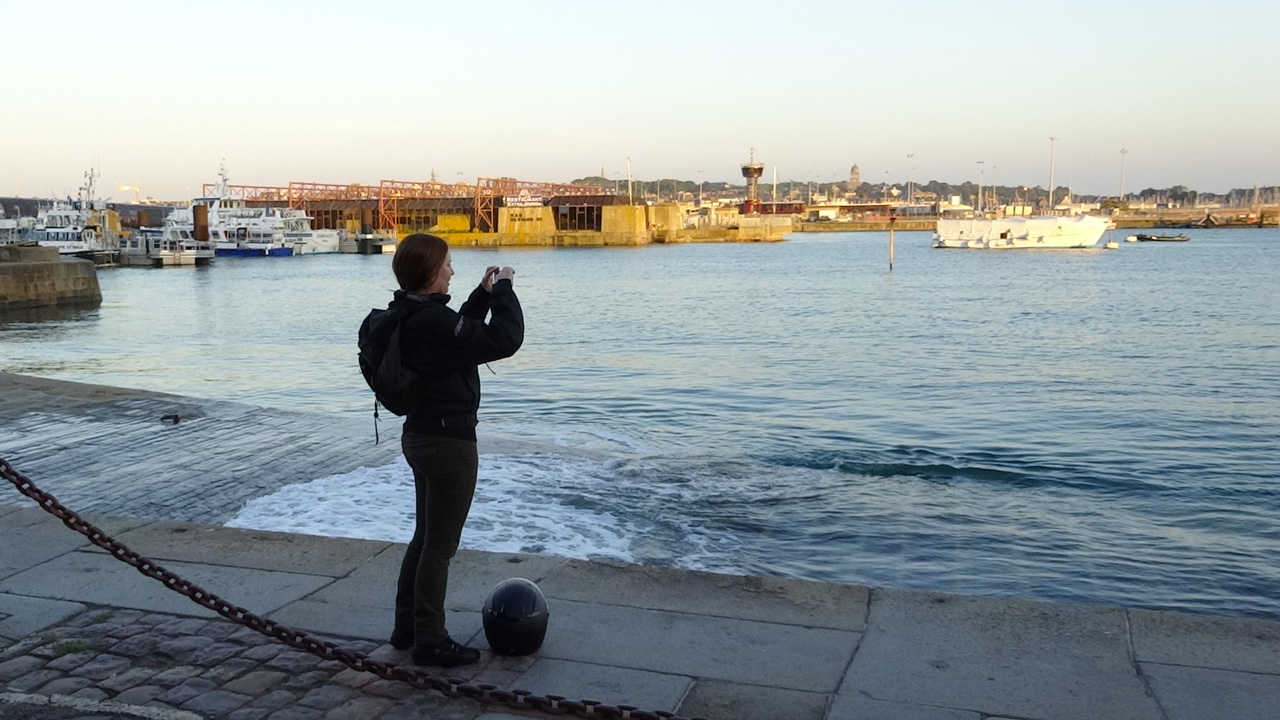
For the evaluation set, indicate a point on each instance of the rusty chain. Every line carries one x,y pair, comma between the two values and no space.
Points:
452,687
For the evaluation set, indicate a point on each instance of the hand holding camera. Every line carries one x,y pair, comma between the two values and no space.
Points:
506,273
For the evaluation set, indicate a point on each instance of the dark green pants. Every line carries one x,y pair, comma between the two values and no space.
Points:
444,476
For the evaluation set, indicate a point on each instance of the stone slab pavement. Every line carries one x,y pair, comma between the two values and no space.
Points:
75,622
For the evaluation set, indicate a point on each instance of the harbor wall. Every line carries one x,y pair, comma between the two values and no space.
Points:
624,219
580,238
620,225
33,277
526,221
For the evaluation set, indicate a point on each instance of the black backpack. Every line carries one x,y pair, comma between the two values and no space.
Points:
397,387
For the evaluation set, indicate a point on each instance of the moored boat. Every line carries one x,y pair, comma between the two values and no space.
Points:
1080,231
235,229
163,247
13,228
1160,238
83,227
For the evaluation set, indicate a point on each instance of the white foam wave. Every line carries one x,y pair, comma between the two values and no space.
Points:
523,503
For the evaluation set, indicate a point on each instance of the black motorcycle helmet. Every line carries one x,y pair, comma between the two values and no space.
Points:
515,617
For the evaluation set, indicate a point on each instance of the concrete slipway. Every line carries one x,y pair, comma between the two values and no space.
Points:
76,622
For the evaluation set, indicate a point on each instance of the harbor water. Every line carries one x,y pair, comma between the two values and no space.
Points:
1079,426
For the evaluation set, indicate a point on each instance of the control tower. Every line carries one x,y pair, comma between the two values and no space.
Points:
752,172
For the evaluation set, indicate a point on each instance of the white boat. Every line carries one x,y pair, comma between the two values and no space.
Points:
13,228
307,240
1048,231
239,230
159,247
83,227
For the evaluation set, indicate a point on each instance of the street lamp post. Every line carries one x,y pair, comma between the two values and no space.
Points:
1123,152
979,203
1052,142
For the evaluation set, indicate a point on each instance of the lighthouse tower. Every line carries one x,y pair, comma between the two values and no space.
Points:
752,172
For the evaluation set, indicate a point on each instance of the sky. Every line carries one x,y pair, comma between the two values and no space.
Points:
157,95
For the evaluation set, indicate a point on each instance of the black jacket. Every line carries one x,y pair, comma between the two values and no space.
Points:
449,346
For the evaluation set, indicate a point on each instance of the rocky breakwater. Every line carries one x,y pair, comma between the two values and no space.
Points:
32,277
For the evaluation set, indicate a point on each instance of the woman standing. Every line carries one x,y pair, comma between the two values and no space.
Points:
440,441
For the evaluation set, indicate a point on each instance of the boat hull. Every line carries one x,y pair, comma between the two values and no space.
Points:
1051,232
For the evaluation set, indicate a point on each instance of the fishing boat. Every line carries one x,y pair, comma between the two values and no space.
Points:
1160,238
83,227
1050,231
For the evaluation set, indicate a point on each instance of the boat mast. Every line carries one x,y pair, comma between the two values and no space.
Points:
1052,142
87,201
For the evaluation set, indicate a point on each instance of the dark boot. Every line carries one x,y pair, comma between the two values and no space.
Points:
446,653
402,637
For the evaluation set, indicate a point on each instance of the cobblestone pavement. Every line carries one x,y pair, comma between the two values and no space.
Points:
215,669
109,451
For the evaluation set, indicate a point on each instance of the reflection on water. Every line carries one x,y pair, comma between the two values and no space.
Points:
50,314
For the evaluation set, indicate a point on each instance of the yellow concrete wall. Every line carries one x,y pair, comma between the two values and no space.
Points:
666,217
453,223
624,219
526,220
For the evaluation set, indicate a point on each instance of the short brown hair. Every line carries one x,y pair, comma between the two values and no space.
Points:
418,260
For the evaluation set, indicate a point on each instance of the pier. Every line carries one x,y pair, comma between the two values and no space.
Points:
35,277
75,622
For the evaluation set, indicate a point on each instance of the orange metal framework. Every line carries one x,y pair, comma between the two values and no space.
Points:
388,193
489,188
249,193
300,193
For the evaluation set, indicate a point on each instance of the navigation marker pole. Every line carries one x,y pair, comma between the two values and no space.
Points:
892,218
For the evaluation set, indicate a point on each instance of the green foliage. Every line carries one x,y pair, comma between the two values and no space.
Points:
72,646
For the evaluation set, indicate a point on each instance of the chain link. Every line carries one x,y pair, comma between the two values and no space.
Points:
452,687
